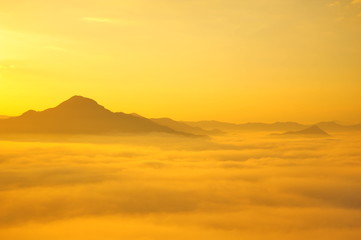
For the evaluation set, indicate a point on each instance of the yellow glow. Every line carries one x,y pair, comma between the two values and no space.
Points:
239,61
78,171
102,20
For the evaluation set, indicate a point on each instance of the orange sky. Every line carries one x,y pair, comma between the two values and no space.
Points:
231,60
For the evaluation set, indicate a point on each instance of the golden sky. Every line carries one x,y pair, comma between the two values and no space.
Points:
231,60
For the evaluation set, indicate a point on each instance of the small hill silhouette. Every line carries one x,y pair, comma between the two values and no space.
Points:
183,127
310,131
79,115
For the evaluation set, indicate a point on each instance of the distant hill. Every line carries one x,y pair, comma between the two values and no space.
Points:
277,126
211,125
224,126
183,127
3,117
80,115
271,127
310,131
334,127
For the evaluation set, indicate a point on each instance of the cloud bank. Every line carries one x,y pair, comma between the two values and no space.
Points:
160,188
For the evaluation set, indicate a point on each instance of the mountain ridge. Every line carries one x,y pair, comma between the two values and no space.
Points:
80,115
276,126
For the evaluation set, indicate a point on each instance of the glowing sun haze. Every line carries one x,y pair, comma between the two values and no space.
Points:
251,60
86,168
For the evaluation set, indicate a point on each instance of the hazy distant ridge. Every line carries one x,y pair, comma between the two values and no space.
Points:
277,126
80,115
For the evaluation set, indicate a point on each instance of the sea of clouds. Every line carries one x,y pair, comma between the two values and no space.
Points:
163,187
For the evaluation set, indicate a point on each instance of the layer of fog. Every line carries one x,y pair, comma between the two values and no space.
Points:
158,187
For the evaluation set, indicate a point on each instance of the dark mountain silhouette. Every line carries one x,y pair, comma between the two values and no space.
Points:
310,131
137,115
183,127
80,115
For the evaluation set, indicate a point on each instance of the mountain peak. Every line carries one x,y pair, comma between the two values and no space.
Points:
80,115
80,105
29,113
313,130
79,101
